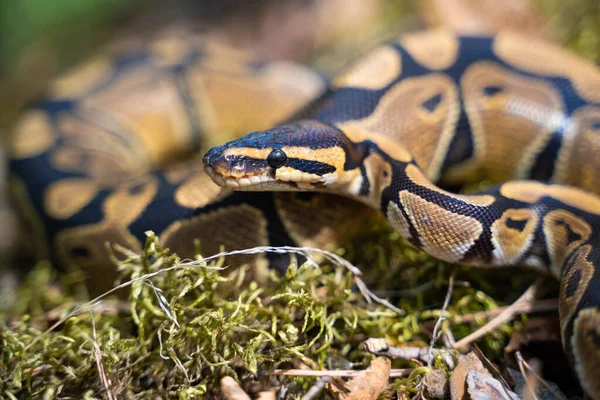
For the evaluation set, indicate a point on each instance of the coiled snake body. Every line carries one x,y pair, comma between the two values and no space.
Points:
429,108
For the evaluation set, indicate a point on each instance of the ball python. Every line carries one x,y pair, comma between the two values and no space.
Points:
425,110
433,109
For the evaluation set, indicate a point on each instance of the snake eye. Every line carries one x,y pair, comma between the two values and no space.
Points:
277,158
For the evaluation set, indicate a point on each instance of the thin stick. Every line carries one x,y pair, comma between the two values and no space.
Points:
442,317
531,393
505,316
347,373
535,306
316,388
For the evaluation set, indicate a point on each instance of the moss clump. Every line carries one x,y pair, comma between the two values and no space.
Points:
182,330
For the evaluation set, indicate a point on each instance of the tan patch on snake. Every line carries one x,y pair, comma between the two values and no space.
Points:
65,198
532,192
106,155
33,135
433,49
374,71
129,200
176,174
586,349
379,174
559,228
511,116
443,234
578,161
357,132
250,152
573,284
397,220
335,156
416,175
233,103
199,191
430,109
85,248
169,50
510,243
230,228
321,221
148,106
544,58
80,80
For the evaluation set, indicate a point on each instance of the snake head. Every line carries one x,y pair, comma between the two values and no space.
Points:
301,156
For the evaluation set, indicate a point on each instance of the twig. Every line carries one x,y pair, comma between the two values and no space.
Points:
531,383
342,373
106,382
525,308
442,317
316,388
534,372
506,315
107,307
381,347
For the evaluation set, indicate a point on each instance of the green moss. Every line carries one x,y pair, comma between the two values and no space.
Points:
182,330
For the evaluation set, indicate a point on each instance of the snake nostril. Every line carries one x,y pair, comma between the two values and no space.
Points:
209,157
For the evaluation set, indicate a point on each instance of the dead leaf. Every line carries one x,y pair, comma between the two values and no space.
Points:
458,380
369,385
482,386
435,385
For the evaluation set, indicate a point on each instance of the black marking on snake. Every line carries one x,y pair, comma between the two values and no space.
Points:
310,166
545,162
571,236
491,90
136,188
462,147
365,185
79,252
517,224
432,103
593,333
573,283
190,108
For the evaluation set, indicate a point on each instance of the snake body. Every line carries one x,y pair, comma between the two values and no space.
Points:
430,108
435,108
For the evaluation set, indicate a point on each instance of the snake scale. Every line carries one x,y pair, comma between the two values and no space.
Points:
427,109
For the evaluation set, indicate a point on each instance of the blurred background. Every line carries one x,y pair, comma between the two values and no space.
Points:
40,39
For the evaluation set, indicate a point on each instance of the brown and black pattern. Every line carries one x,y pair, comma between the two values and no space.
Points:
459,110
90,160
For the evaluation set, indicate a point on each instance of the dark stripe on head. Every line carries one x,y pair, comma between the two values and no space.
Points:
312,167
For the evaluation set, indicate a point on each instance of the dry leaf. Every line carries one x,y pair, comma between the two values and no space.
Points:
458,380
436,385
483,387
369,385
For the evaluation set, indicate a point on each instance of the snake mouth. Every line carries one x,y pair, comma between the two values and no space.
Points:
239,181
250,182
